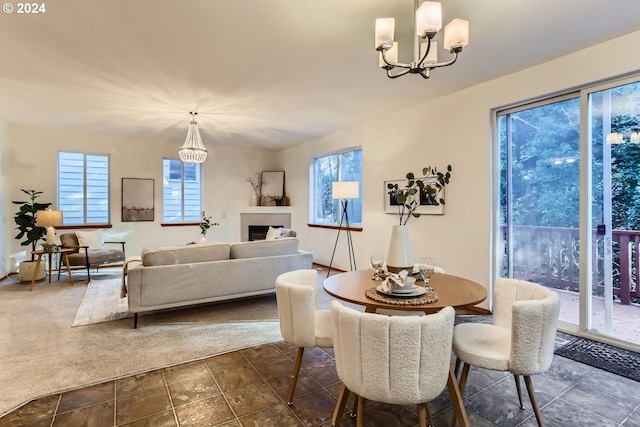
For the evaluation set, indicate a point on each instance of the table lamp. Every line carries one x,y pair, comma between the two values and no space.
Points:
49,219
345,190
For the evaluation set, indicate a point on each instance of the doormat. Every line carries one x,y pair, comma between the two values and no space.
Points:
604,356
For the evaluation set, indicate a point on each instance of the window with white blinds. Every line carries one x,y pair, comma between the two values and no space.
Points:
181,191
83,188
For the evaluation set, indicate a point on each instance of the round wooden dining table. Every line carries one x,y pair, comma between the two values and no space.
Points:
452,291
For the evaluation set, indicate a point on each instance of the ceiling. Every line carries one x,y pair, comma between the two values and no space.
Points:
262,73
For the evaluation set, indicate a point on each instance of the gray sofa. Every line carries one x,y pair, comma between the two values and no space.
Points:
185,275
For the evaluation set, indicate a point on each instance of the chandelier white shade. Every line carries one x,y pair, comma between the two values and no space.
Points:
193,150
428,22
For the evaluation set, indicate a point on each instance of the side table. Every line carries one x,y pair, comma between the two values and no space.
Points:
62,251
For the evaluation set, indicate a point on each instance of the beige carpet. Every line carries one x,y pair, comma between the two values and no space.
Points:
41,353
102,303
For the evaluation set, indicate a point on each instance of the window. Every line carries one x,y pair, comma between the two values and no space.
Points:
181,191
83,188
340,166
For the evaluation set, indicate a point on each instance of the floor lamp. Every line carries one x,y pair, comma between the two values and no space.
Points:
345,190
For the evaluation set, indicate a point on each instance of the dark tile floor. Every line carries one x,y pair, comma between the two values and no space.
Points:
248,388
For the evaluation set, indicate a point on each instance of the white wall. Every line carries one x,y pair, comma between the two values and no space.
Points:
28,155
452,130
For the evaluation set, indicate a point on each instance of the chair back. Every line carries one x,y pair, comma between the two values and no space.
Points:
394,359
69,240
296,299
531,312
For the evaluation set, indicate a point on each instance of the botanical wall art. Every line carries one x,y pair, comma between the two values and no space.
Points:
137,199
417,196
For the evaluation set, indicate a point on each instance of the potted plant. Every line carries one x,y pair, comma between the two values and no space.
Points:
25,220
399,255
205,225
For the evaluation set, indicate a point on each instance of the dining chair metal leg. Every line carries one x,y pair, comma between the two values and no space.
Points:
517,378
296,371
532,397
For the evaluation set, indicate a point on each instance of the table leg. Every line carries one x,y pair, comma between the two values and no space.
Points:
456,399
49,258
66,261
35,272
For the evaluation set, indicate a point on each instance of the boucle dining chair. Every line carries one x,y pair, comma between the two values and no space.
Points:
301,323
391,359
520,340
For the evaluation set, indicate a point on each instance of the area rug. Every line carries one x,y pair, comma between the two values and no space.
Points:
102,303
604,356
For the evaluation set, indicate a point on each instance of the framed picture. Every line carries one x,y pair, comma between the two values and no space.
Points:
137,199
272,192
426,207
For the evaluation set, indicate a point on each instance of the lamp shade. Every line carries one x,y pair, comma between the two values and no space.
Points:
48,218
456,34
385,27
428,18
345,189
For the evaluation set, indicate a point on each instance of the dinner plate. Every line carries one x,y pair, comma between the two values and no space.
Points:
415,292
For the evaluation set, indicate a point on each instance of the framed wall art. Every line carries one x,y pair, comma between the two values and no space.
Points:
391,206
137,199
272,192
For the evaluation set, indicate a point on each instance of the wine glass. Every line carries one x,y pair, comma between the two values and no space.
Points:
377,261
426,271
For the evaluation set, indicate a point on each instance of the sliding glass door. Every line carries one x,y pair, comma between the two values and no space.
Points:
613,116
569,204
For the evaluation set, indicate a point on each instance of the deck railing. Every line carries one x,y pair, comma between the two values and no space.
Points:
550,255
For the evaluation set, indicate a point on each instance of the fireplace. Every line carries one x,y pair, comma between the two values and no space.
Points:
259,232
263,220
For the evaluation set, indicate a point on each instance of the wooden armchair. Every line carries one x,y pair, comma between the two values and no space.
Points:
86,257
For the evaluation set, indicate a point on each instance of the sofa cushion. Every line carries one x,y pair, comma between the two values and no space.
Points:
262,248
287,232
186,254
273,233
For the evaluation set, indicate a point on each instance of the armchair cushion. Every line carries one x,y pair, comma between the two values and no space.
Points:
92,239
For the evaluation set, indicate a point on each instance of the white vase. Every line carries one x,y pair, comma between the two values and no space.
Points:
399,256
254,199
203,240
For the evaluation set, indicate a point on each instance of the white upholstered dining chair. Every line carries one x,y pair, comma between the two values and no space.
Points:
392,359
520,340
301,323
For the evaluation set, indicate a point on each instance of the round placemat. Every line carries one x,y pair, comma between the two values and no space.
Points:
428,298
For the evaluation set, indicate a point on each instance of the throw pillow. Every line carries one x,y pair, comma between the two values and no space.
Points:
92,239
273,233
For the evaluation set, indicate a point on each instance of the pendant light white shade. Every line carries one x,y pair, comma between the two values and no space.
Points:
456,34
385,28
428,18
193,150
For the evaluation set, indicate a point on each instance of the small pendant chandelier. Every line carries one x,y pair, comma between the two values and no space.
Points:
193,150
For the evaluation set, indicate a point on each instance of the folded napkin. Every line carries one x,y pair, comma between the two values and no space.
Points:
394,280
